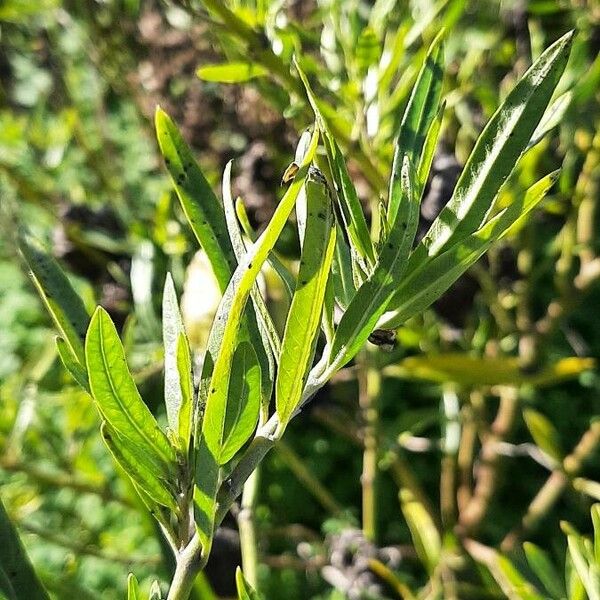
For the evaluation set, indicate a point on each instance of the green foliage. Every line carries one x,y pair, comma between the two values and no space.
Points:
390,97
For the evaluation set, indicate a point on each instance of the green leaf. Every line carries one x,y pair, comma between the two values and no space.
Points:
428,151
199,203
71,363
497,151
227,324
231,72
304,316
578,553
177,383
423,531
116,394
270,337
341,270
186,381
545,571
371,299
142,471
206,217
61,300
544,434
552,117
18,580
419,115
244,589
243,401
133,588
286,277
426,282
351,208
367,51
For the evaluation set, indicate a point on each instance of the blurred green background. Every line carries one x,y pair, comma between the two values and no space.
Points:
496,384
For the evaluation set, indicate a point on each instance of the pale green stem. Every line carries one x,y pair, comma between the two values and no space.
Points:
247,529
369,381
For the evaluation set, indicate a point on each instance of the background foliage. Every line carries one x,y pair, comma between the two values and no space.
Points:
486,403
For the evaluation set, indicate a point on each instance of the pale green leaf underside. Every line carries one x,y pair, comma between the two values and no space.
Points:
172,328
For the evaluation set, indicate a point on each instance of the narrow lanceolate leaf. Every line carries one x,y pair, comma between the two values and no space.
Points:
423,531
545,570
232,72
372,298
302,325
227,322
200,205
75,368
284,274
116,394
497,151
267,328
133,588
186,381
18,580
427,282
206,217
244,589
243,401
352,212
419,115
172,326
428,151
133,461
61,300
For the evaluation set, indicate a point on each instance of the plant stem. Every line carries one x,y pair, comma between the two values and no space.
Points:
369,382
474,512
189,564
555,485
247,529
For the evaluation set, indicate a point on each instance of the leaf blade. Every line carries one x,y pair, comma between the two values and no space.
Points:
304,316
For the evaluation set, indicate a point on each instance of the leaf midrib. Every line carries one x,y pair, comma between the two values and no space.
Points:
122,406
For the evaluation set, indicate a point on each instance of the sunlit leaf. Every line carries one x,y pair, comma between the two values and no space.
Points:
116,394
228,321
304,316
419,115
497,151
133,588
424,533
428,280
232,72
351,208
135,463
371,299
244,589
